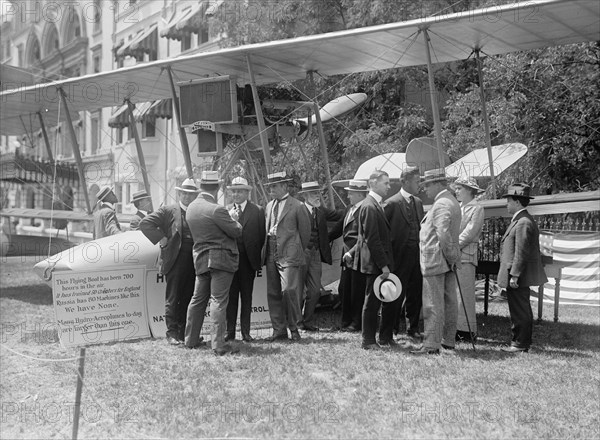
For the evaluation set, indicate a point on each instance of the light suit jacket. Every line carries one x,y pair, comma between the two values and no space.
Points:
293,233
470,230
520,254
439,235
215,233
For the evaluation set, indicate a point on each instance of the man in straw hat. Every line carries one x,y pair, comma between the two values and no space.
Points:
404,211
288,234
168,223
318,251
352,282
471,225
250,243
215,259
439,256
105,218
372,254
520,265
143,203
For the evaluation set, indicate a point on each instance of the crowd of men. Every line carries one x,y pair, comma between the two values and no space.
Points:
398,263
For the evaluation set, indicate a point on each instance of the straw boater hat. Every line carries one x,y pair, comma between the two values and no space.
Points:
277,178
521,190
210,178
188,185
357,185
239,183
139,195
437,175
309,187
103,193
388,289
470,183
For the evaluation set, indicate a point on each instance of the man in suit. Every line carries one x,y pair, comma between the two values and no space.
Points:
215,231
318,251
143,203
440,254
352,282
520,266
105,217
372,254
168,224
288,228
252,219
404,211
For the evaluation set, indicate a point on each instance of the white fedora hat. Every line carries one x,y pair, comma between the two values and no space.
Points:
388,289
188,185
310,186
239,183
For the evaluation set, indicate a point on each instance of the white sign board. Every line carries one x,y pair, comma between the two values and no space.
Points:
93,307
155,294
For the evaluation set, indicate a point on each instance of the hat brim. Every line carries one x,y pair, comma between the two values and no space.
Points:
356,189
310,190
211,182
278,181
479,190
377,288
137,199
514,195
187,190
433,180
246,187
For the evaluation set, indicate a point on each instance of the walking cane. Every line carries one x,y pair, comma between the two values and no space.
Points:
462,300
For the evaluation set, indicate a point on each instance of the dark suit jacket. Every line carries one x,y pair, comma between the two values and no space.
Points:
253,233
214,233
323,216
349,231
105,222
520,254
293,232
165,222
396,211
376,253
134,224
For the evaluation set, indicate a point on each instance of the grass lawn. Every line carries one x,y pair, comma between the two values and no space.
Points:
326,386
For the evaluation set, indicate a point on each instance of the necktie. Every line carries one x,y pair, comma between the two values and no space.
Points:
315,225
238,208
275,213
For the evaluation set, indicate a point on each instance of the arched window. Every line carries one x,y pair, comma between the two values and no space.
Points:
34,53
51,42
73,27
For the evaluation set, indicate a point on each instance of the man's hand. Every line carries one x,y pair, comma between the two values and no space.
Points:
514,282
234,214
385,272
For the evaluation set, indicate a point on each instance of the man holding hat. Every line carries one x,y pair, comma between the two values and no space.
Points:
520,265
288,227
439,256
352,282
215,231
105,218
143,203
404,211
318,251
250,243
168,223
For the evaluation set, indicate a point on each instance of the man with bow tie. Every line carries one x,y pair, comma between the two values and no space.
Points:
318,251
520,266
252,219
288,226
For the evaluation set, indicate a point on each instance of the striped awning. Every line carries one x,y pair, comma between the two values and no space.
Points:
143,111
146,41
186,20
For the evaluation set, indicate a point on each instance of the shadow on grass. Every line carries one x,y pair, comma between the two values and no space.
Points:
38,294
555,337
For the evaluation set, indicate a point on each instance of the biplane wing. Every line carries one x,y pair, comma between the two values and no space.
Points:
493,30
74,216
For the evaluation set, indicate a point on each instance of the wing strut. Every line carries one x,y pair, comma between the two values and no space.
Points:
45,134
138,145
325,156
434,104
76,152
259,117
486,123
182,135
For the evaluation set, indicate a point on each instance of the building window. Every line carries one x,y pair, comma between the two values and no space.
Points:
119,136
203,36
8,44
186,42
148,129
97,16
97,63
95,132
20,52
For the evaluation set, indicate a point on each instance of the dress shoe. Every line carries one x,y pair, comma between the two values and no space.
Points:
373,346
388,344
279,337
247,338
295,335
351,329
415,336
226,349
229,338
424,350
310,328
513,349
198,346
447,347
172,341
